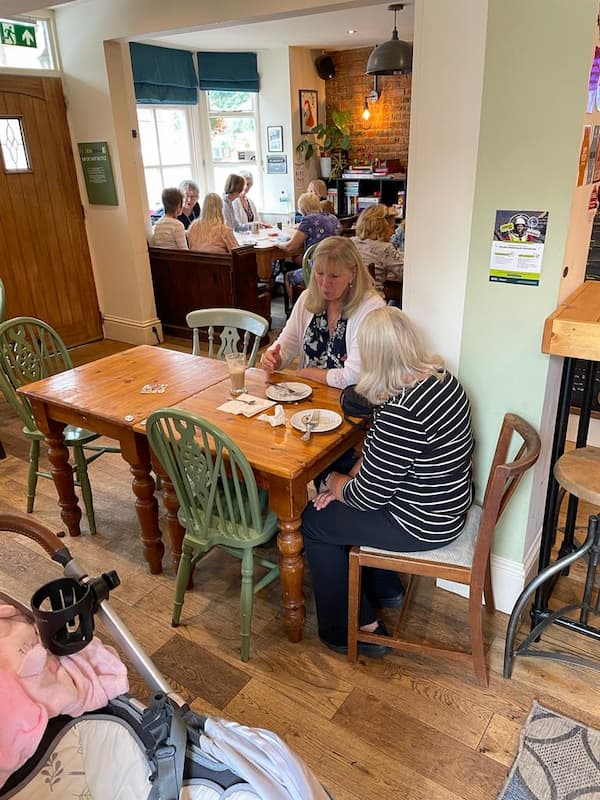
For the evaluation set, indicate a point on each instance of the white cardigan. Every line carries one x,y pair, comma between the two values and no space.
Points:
240,211
291,340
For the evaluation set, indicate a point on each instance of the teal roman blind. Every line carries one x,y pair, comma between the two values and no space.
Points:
228,72
163,75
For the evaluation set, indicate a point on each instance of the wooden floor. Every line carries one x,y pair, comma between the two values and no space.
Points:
405,727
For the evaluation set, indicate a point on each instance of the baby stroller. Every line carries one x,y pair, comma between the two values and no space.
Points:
127,750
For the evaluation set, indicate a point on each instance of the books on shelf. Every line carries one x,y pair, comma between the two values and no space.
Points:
365,202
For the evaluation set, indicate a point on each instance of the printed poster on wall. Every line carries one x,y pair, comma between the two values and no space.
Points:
518,247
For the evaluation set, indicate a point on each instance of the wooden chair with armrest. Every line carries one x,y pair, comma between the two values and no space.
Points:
29,351
231,321
466,560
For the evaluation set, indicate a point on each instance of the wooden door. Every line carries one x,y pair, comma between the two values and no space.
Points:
44,256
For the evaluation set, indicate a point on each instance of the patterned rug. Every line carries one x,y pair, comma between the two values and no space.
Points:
558,759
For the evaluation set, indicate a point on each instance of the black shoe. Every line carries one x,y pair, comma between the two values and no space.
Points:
364,648
390,602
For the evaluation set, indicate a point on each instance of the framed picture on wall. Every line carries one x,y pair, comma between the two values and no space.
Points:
309,110
275,138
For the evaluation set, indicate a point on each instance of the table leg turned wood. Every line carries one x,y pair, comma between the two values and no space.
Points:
174,529
146,508
291,565
62,475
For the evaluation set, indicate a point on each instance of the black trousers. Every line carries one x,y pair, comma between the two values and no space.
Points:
328,536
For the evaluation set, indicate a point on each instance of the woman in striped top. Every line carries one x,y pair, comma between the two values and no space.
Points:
411,488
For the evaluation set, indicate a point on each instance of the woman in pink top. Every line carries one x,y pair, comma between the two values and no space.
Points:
209,234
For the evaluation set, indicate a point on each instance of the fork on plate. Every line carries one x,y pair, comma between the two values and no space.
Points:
310,421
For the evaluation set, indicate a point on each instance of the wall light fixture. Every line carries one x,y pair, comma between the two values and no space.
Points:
372,97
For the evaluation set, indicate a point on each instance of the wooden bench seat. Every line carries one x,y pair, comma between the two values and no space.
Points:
185,280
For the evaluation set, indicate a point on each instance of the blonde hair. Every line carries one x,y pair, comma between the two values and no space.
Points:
392,355
374,222
319,188
211,215
339,251
309,203
327,207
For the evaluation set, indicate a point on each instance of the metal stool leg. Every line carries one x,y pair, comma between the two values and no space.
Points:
592,542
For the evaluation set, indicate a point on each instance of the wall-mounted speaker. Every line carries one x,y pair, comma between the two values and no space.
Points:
325,67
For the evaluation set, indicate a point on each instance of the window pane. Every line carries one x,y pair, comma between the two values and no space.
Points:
173,176
229,101
154,187
172,135
38,57
148,138
233,138
13,145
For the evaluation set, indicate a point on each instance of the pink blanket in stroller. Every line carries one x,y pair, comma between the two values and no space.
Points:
36,685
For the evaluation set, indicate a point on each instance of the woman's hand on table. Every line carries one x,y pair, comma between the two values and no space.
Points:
271,359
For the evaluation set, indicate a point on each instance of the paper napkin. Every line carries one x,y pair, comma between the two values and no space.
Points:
246,404
278,418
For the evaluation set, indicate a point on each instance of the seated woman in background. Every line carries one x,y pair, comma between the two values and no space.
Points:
191,208
411,488
243,207
210,234
314,226
234,186
168,230
319,188
321,331
374,228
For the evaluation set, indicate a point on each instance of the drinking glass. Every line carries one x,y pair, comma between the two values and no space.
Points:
236,364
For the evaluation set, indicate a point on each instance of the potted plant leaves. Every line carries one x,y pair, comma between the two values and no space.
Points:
331,140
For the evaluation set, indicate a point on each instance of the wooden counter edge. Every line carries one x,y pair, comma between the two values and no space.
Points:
567,332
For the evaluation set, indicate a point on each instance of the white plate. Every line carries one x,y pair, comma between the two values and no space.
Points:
288,392
328,420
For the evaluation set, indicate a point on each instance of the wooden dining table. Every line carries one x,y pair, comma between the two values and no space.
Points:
106,396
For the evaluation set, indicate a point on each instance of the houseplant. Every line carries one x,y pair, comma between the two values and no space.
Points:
330,140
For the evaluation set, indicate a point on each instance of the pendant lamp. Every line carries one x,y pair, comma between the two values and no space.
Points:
393,57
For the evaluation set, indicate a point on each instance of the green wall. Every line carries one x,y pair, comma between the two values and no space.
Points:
538,56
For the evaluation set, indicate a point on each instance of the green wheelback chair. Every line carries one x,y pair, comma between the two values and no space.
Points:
232,321
29,351
307,262
219,503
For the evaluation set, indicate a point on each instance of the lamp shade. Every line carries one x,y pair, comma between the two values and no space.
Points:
391,58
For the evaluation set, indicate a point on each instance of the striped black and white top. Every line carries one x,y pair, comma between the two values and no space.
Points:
417,460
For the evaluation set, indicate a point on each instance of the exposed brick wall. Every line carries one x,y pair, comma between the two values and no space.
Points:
385,134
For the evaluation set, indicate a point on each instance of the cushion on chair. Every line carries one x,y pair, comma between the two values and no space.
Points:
459,552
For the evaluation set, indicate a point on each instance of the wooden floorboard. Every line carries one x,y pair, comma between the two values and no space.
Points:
408,726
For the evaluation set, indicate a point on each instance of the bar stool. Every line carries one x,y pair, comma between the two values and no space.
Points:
578,472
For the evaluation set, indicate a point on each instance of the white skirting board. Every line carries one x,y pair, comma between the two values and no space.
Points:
508,578
132,331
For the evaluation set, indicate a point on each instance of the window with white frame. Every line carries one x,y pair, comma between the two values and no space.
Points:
27,43
232,131
165,139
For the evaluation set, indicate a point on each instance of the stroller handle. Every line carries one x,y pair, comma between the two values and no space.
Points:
38,533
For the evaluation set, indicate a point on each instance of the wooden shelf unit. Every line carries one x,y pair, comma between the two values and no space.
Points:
384,187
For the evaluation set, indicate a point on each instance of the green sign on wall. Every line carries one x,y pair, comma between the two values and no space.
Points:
17,34
98,174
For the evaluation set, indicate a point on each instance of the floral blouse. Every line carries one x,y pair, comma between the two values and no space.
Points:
321,349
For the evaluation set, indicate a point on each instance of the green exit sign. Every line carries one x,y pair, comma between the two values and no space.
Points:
17,34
